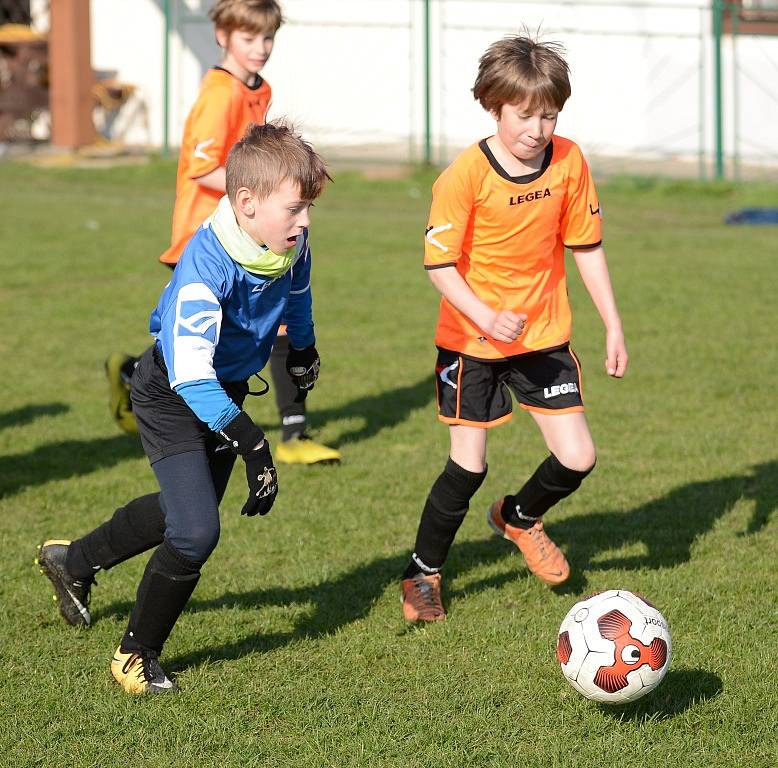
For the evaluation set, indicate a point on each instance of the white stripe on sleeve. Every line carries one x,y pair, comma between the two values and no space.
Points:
195,333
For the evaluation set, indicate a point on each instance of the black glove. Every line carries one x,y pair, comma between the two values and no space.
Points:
262,480
243,436
303,367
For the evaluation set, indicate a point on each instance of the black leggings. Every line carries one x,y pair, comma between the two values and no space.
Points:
192,485
185,512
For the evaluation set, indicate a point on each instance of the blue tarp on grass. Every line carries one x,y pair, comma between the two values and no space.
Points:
753,217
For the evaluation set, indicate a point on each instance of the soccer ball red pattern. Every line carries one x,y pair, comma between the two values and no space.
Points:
614,647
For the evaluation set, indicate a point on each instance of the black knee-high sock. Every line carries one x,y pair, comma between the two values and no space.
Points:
128,368
551,482
291,412
164,590
134,528
443,513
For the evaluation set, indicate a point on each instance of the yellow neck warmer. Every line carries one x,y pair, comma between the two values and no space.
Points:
241,247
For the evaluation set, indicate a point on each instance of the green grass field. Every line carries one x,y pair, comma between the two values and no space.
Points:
293,651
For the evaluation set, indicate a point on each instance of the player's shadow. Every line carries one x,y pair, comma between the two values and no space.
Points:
323,608
378,412
664,529
66,459
19,417
681,690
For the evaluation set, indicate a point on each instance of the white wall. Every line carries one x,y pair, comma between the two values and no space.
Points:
352,72
127,38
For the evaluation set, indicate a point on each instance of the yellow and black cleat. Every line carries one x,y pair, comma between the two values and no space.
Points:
119,392
71,595
303,450
140,673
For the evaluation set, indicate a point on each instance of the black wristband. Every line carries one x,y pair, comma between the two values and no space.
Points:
242,434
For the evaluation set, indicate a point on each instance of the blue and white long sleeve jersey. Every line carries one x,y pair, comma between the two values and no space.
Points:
216,321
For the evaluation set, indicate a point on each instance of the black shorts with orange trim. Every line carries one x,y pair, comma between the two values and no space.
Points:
476,393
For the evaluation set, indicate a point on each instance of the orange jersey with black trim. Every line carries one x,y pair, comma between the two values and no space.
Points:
506,236
223,111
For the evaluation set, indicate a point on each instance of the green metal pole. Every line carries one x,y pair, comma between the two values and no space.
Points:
718,17
427,86
735,97
166,81
702,107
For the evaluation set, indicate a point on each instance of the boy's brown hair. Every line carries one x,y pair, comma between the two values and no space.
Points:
518,68
269,154
256,16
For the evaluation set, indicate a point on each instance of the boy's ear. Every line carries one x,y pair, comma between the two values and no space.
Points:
244,201
222,38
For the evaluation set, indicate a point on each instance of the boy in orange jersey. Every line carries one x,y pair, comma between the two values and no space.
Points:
502,214
232,96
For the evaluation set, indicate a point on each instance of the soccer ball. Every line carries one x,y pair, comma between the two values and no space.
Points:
614,647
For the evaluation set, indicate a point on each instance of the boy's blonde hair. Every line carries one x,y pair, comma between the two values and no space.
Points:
518,68
269,154
256,16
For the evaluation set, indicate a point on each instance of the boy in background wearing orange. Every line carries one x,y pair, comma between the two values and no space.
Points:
502,215
232,96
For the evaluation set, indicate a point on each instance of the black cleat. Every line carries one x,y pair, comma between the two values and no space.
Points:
72,595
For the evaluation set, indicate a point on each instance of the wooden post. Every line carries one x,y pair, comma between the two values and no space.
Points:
70,74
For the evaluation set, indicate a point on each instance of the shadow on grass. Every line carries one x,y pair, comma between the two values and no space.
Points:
680,690
66,459
329,605
666,528
379,412
21,416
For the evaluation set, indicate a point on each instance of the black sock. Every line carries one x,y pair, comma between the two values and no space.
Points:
292,413
128,368
134,528
443,513
551,482
163,592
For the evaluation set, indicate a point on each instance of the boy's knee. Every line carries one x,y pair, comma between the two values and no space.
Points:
584,462
570,473
452,491
171,561
196,543
580,459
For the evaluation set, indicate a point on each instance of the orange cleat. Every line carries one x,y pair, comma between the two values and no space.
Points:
421,598
543,557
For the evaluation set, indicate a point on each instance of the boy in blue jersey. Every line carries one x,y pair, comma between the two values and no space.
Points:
247,267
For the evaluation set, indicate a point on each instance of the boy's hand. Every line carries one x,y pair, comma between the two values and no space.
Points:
262,480
616,353
505,326
303,366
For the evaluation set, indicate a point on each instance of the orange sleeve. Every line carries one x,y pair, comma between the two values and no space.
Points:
581,225
209,133
451,217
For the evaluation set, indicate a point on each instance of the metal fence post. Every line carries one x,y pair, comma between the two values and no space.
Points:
166,80
427,86
718,18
